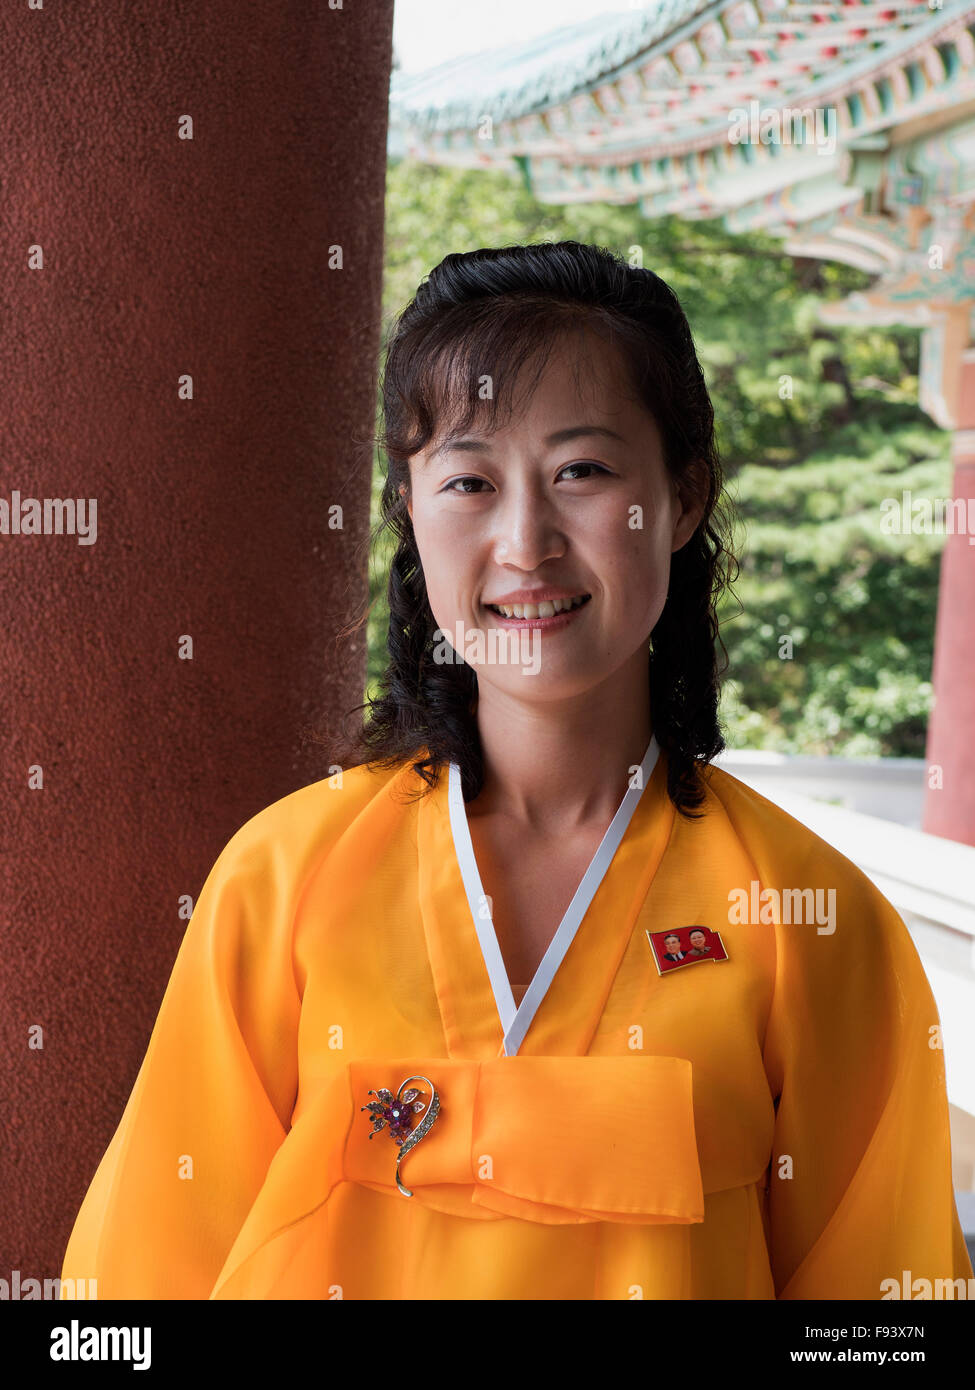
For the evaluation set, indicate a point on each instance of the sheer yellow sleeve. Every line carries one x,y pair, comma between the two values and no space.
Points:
860,1191
212,1100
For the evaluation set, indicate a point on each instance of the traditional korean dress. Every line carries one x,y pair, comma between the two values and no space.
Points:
773,1124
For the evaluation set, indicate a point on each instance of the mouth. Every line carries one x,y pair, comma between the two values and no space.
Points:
547,612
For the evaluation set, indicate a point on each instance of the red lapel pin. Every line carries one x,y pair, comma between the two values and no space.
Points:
685,946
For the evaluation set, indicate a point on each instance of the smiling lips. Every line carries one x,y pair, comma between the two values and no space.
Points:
545,608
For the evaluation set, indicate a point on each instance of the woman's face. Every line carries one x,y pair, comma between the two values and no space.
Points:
518,509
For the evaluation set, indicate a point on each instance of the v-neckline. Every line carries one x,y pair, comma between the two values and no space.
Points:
516,1019
566,1014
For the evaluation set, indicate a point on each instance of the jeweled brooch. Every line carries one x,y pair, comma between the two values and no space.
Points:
397,1112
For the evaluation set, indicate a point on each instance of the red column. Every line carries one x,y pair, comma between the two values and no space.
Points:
247,259
949,809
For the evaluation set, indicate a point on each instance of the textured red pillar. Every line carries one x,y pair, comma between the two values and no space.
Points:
249,260
949,809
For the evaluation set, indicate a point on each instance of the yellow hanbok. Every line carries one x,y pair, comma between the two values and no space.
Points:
774,1125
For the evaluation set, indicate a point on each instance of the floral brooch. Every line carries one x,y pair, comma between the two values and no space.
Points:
397,1112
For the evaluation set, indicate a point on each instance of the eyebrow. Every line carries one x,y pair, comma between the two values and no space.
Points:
478,446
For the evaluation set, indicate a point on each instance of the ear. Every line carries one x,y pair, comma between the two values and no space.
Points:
691,500
409,500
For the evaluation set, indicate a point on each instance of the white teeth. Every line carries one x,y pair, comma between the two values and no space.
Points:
546,609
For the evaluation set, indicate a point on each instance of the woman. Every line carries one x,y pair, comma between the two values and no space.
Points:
438,1027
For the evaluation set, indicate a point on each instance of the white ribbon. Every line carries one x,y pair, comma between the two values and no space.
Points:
515,1022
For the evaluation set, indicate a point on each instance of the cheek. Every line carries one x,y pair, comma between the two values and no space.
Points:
446,560
636,562
634,534
634,571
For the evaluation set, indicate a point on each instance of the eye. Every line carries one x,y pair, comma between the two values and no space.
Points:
466,492
451,486
585,464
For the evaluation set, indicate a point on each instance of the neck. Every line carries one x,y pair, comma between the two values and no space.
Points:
563,765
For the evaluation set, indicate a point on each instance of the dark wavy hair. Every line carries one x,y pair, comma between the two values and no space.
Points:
489,312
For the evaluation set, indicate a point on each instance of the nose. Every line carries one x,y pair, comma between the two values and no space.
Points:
528,529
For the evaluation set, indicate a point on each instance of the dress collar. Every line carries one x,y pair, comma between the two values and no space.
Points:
562,1006
516,1020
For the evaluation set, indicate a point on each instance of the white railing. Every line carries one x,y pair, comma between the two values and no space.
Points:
891,788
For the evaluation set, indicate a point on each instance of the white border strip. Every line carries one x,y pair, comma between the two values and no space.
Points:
516,1021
